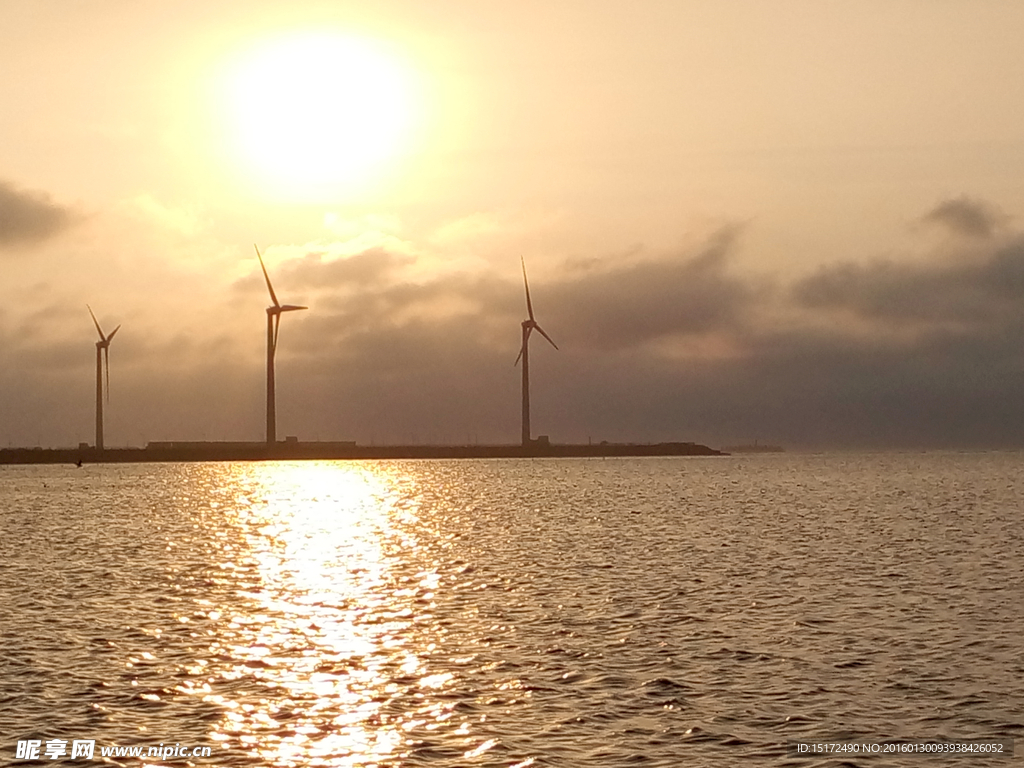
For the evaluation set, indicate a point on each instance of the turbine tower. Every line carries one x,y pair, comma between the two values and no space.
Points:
524,353
102,362
273,323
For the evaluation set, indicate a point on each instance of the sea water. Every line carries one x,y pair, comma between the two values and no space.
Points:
545,612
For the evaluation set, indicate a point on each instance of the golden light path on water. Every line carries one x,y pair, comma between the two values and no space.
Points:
334,634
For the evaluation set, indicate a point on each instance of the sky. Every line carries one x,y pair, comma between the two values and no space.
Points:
796,222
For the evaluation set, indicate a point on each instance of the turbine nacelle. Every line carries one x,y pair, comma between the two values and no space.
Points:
533,325
104,340
105,343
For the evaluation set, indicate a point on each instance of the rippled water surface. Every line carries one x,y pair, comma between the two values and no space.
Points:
655,612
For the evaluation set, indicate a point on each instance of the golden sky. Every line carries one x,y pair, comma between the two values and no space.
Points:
787,220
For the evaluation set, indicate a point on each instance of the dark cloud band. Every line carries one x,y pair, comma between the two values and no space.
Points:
28,217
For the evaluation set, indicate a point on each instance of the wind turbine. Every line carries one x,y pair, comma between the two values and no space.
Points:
102,362
524,354
273,323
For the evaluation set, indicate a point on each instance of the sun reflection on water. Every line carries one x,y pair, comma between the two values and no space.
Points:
321,648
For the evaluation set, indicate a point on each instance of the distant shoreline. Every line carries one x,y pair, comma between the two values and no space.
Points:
239,451
755,448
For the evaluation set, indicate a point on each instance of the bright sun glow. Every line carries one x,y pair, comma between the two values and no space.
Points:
317,114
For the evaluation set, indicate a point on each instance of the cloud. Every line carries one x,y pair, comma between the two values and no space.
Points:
964,290
605,304
473,227
184,221
319,271
28,217
966,216
617,305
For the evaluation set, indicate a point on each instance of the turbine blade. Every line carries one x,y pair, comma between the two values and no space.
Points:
106,360
273,296
112,334
545,336
529,304
277,326
522,349
291,308
96,323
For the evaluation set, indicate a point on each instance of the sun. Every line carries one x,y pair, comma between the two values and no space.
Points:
316,114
